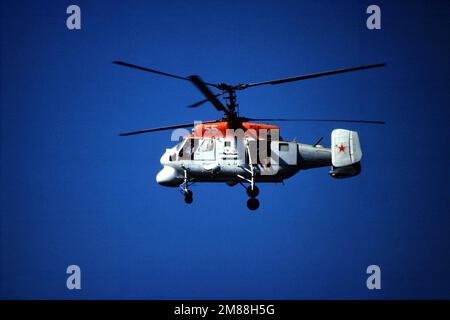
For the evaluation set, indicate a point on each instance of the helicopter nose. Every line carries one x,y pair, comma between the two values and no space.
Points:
164,159
168,177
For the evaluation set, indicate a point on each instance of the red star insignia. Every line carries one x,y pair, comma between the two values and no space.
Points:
341,148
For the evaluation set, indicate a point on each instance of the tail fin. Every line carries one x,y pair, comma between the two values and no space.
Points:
346,153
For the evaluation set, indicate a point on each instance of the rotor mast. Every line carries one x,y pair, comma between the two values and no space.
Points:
229,94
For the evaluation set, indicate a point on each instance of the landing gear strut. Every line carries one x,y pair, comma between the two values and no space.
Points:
252,189
186,192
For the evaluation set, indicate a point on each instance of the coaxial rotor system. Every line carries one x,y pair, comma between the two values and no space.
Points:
228,93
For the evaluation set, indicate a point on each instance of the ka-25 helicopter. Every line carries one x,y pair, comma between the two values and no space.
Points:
237,150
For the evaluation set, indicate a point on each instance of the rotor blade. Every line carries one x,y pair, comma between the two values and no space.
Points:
178,126
199,103
310,76
129,65
315,120
208,94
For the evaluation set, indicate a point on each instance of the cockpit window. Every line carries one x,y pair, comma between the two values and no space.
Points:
206,145
187,149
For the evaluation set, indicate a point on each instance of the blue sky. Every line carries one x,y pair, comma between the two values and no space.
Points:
73,192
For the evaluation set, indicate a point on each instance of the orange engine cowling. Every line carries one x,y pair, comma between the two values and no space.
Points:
219,129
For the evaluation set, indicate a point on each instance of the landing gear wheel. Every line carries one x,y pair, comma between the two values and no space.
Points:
252,193
188,197
253,204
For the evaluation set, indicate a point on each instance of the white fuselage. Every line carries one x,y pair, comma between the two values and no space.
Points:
231,160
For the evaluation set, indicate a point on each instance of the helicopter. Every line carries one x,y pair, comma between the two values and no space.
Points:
240,150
